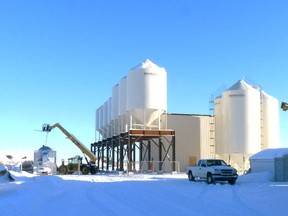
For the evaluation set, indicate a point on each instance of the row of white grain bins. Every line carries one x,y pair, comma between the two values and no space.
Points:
137,102
246,121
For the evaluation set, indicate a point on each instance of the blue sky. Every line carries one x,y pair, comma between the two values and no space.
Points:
60,59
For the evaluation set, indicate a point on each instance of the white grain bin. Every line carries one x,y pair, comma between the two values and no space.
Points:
220,146
115,105
106,113
110,116
97,119
101,119
146,94
115,101
122,104
241,119
109,110
270,121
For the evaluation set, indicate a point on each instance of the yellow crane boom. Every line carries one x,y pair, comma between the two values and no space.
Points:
82,147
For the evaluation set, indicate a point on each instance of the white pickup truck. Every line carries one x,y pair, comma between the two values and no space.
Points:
212,170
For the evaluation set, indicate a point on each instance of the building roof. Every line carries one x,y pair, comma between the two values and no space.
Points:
269,154
240,85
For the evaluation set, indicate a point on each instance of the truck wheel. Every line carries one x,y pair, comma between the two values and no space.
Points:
210,178
190,176
62,169
85,170
232,182
93,170
70,168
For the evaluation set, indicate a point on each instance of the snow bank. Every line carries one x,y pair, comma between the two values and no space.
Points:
139,194
261,177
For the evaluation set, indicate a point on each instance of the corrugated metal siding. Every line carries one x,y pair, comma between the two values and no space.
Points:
192,137
281,169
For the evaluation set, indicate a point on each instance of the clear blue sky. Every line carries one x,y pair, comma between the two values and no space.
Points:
60,59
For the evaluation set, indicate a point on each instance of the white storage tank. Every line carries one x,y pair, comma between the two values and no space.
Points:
146,93
114,109
220,146
97,119
270,121
105,114
101,119
109,110
241,119
115,101
109,125
122,103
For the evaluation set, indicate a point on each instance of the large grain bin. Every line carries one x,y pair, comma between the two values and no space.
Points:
122,104
98,119
146,93
241,119
115,105
105,115
115,101
270,121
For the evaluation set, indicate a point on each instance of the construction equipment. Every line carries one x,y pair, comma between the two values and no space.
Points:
284,106
75,163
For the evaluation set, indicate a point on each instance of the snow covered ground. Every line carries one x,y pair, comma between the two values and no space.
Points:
139,194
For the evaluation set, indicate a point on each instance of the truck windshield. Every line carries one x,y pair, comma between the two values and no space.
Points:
216,163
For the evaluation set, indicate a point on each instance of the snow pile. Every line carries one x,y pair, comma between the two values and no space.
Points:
261,177
4,175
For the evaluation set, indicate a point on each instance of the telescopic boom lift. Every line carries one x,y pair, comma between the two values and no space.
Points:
92,168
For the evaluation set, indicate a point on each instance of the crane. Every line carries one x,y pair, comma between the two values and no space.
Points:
73,162
284,106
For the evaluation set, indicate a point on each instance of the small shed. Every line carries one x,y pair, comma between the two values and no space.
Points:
274,161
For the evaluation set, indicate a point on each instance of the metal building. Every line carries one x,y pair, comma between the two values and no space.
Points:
194,137
273,161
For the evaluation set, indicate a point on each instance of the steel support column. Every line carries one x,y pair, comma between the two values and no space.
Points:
121,154
98,154
107,154
113,154
160,154
173,153
102,155
140,154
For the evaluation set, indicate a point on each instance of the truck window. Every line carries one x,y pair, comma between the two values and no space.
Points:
204,164
223,163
